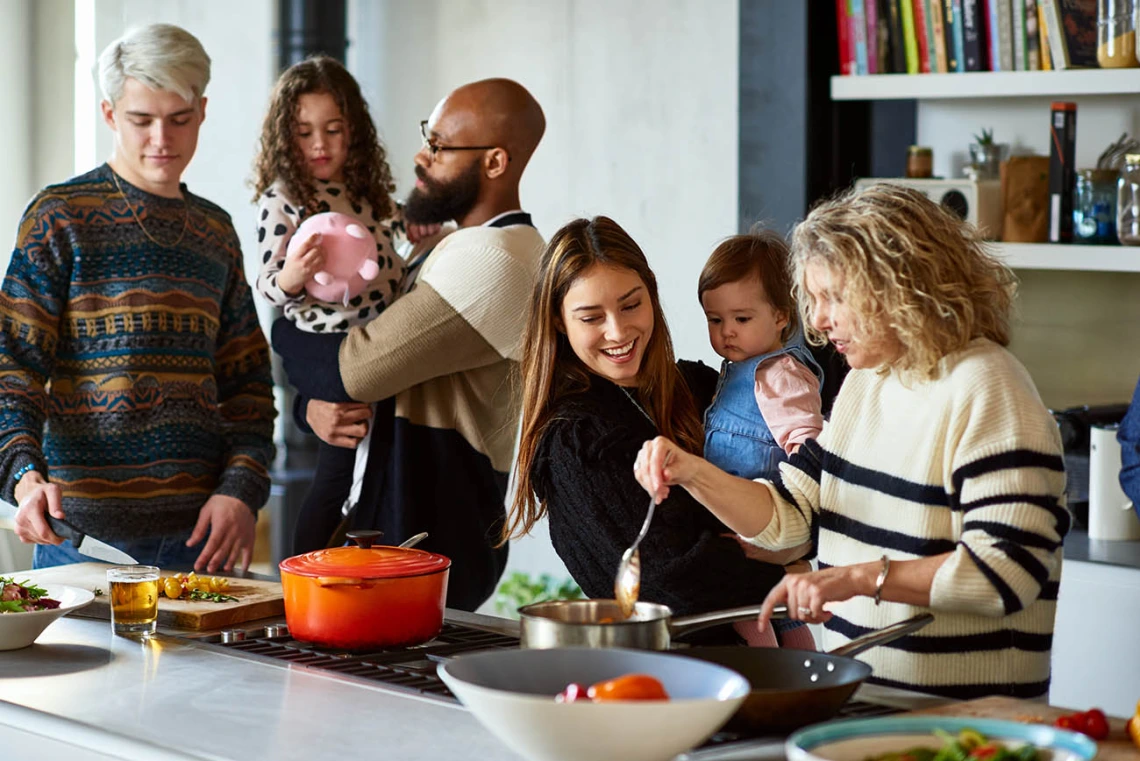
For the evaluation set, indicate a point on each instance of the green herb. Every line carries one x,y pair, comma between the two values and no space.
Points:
519,589
97,592
33,591
12,606
198,594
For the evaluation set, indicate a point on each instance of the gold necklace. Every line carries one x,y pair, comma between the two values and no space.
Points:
155,241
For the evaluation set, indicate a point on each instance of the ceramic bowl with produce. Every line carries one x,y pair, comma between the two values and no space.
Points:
26,609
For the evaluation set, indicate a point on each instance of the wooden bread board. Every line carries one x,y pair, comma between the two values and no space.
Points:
256,598
1118,747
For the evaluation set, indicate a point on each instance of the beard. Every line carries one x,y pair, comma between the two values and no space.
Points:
439,202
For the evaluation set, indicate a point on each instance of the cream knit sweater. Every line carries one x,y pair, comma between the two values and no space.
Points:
969,464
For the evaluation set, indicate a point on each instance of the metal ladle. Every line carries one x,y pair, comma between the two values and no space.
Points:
627,583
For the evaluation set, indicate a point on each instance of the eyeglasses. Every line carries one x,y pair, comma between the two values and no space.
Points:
434,148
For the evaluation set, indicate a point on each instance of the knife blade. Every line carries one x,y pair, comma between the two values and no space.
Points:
89,545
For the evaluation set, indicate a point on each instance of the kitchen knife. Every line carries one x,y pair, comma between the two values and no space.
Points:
89,545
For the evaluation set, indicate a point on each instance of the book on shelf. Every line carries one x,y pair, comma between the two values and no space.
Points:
1043,40
910,36
1005,32
922,30
858,31
1020,59
843,32
952,28
898,38
938,32
1071,27
871,12
1032,39
973,48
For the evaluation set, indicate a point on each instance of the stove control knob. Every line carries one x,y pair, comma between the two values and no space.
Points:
277,630
232,635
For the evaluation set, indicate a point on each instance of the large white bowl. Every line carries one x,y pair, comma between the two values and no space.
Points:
859,739
512,693
21,629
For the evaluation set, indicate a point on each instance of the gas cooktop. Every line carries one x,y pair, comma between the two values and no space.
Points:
412,670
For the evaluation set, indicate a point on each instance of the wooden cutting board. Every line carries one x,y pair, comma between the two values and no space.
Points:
256,598
1118,747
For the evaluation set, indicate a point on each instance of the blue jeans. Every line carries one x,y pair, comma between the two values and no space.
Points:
166,552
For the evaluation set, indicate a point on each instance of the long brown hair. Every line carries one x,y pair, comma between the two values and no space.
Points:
550,369
366,172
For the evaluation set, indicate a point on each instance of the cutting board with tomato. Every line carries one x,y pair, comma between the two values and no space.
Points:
1118,747
256,598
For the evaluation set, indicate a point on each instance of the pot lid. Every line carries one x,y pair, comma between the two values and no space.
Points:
365,561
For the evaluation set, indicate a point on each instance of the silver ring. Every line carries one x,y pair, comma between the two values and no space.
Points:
804,611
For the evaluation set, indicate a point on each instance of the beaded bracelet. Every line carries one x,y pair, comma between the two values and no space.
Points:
882,579
28,468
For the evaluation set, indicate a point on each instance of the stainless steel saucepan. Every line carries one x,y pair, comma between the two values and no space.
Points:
599,623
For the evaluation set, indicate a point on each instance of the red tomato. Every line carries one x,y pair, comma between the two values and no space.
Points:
629,687
573,693
1067,721
984,751
1096,724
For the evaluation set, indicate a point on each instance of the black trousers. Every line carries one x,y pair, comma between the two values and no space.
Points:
320,512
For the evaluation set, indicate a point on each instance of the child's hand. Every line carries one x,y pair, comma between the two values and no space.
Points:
300,268
416,233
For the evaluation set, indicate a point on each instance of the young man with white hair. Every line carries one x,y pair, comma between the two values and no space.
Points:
135,390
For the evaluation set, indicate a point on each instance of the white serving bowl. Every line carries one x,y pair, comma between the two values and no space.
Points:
860,739
512,693
21,629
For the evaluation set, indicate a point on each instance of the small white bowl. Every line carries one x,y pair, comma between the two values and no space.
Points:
21,629
512,693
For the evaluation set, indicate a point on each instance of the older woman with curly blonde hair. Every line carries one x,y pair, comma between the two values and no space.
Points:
937,484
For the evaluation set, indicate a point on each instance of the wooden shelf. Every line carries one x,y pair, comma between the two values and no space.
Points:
1050,256
987,84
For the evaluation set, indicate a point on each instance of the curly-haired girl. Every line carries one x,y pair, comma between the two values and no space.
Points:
320,152
937,486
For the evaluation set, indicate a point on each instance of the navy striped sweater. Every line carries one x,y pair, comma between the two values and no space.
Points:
968,464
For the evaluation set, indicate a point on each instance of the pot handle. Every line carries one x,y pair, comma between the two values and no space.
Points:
883,636
339,581
684,624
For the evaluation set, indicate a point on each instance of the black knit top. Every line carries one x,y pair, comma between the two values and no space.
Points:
583,472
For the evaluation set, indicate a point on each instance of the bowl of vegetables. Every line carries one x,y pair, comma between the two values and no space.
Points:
26,609
588,704
937,738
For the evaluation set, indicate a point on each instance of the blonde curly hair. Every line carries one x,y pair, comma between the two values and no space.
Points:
912,270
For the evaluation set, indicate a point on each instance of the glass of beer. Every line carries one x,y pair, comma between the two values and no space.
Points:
134,599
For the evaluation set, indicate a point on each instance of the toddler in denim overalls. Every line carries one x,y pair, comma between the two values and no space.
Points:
767,400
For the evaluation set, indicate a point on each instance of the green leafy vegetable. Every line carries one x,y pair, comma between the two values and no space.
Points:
519,589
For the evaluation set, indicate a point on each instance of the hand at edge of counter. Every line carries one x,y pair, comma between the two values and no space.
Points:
231,525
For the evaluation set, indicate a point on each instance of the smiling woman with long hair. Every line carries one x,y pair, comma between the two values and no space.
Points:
598,376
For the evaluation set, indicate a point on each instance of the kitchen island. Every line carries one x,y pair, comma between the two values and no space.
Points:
83,694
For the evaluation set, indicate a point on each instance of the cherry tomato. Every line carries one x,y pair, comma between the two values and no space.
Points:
572,694
1096,724
1066,722
629,687
984,751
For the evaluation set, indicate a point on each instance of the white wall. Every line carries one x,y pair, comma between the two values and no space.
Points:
641,105
15,87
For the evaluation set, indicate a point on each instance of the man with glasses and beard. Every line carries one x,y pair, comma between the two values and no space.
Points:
438,361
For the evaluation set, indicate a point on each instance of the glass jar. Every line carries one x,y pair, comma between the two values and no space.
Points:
1094,207
1128,201
919,161
1116,34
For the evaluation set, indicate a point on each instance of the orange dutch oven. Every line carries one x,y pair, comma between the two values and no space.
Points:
365,596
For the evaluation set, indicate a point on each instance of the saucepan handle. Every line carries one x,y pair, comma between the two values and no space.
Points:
685,624
884,635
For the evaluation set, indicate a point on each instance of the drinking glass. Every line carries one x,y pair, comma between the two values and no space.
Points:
134,599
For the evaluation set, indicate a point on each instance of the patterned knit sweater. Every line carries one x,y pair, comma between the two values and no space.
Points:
136,376
968,464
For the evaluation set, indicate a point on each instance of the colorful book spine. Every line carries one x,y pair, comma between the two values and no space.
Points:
993,44
948,24
973,48
939,34
1020,60
1072,33
871,11
1062,155
1032,41
959,37
1005,33
924,31
858,20
1043,40
846,50
898,39
906,9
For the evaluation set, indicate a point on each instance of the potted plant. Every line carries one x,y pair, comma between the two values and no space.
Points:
986,156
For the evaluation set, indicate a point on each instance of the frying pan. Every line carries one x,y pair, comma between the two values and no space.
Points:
794,688
599,623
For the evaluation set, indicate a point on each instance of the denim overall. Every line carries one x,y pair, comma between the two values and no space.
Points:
737,439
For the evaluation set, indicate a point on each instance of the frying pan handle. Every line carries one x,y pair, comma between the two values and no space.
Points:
685,624
883,636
